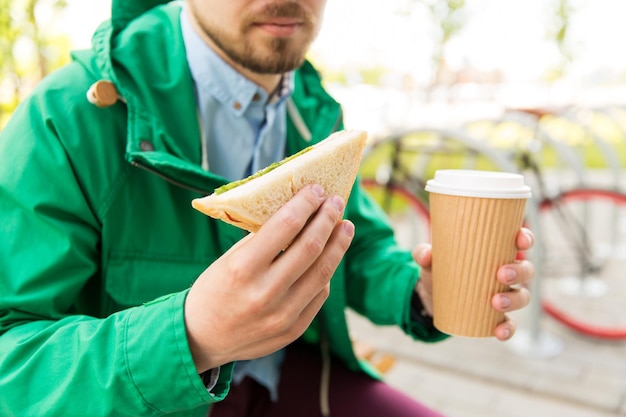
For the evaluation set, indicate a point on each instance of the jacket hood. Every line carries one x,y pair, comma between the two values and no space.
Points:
146,61
124,11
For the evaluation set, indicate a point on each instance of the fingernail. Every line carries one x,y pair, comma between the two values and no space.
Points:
505,302
509,275
506,333
348,228
420,254
317,190
530,237
337,202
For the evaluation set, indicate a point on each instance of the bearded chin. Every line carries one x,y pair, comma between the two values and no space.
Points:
282,57
276,56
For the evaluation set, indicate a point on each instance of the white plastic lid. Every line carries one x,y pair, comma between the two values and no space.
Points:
476,183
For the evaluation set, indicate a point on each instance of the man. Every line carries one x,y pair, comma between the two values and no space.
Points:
118,299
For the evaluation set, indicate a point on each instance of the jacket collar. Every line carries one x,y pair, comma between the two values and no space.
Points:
147,63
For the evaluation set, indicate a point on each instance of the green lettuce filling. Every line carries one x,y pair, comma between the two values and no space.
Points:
257,174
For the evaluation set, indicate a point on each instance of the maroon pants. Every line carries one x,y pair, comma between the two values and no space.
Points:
350,394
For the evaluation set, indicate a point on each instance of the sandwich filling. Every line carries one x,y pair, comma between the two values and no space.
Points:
260,172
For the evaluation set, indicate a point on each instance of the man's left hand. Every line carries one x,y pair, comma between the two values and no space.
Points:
518,274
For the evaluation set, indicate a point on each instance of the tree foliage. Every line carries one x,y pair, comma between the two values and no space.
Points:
28,49
558,31
450,16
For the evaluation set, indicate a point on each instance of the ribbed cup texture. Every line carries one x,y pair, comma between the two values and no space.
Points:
471,238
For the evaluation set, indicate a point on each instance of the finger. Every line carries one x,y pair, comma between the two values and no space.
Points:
505,330
313,241
422,254
525,239
283,227
312,309
322,270
521,272
515,299
286,329
308,313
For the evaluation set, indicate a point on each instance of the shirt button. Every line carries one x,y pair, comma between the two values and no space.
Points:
146,146
102,94
256,97
237,105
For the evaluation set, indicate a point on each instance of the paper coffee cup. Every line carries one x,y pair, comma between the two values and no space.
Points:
475,217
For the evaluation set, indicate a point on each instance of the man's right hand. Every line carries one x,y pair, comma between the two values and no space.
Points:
264,292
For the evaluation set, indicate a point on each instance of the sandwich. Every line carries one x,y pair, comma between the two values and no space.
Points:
332,163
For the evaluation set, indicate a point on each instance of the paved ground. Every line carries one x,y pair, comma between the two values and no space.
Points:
547,370
464,377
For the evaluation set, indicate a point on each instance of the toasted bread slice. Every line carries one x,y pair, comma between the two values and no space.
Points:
332,163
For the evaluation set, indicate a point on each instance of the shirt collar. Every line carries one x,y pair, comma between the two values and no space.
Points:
214,76
283,90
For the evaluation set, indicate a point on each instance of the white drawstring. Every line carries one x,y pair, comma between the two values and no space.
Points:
203,144
325,379
298,122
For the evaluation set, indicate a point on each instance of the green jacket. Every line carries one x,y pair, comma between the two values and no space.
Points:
100,244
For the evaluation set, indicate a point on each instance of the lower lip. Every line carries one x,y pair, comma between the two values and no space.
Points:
282,31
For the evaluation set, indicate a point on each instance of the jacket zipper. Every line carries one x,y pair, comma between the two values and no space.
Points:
169,179
300,125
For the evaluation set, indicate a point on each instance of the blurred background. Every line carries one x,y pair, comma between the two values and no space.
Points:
393,62
530,86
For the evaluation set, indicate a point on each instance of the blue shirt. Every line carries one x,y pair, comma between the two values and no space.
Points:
243,130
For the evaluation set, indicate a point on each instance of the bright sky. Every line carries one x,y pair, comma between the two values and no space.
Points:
504,35
500,34
509,35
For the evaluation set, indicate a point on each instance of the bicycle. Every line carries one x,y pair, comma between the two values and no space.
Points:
398,180
395,169
573,222
575,210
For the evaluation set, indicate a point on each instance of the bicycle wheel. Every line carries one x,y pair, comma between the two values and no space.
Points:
408,214
584,231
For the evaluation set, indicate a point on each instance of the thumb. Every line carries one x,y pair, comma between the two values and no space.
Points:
422,254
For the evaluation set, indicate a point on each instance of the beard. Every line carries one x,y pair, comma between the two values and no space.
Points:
265,55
